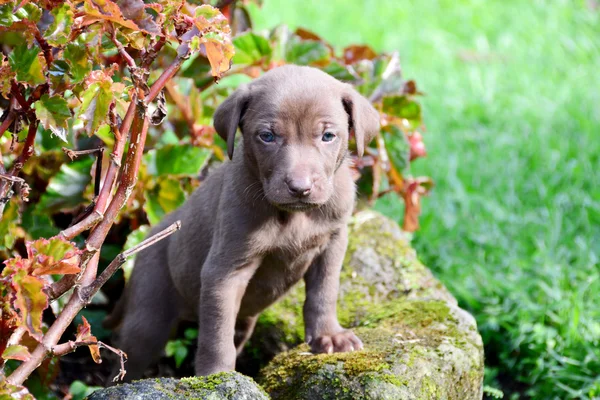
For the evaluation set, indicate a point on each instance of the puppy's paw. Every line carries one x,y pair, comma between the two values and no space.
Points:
340,342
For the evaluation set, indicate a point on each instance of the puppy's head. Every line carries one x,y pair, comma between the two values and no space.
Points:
296,122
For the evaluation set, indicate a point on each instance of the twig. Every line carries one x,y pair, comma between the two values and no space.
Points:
183,53
73,154
71,346
89,291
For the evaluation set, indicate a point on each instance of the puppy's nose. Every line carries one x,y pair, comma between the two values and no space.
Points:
299,187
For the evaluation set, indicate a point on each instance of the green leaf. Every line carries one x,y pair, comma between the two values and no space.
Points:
16,352
164,198
176,349
65,189
53,112
191,333
6,14
29,64
403,107
59,31
95,103
76,54
251,48
79,390
180,160
305,52
30,12
339,71
9,226
133,239
397,147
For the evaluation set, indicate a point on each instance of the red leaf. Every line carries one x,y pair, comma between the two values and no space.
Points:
353,54
53,256
30,301
84,334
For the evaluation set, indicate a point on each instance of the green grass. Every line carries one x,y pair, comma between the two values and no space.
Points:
513,135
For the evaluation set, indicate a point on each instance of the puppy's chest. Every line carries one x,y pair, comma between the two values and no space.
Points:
291,237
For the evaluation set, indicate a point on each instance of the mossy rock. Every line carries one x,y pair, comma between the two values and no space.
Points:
418,343
222,386
414,349
380,266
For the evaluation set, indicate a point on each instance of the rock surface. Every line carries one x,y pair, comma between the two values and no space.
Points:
223,386
418,343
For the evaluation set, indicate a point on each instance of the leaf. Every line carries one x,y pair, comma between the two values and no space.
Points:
30,301
65,189
355,53
179,160
59,31
402,106
134,238
53,256
84,334
30,12
106,10
6,14
413,190
29,64
53,112
80,391
397,146
6,76
95,103
178,350
135,10
13,392
339,71
212,30
16,352
306,52
76,55
251,48
167,196
9,226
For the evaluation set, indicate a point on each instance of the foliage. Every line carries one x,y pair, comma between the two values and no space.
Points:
83,76
512,130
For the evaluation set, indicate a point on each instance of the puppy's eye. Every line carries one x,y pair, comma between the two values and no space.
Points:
267,137
328,136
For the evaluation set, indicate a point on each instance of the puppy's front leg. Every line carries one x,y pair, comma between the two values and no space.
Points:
322,329
221,292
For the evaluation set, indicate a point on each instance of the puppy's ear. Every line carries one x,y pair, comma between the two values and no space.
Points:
229,114
363,118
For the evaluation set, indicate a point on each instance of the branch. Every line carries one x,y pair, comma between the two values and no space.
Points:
183,52
59,288
6,185
71,346
79,299
89,291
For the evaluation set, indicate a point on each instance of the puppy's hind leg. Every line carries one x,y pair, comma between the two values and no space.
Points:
151,311
243,330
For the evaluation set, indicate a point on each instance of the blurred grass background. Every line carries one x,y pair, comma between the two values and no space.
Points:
512,109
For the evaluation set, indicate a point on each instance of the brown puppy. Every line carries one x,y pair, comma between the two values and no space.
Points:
275,214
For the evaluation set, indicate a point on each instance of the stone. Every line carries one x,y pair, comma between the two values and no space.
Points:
222,386
418,343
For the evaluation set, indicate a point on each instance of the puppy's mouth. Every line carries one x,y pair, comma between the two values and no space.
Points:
297,206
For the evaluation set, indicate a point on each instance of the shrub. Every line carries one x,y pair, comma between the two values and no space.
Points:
79,77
